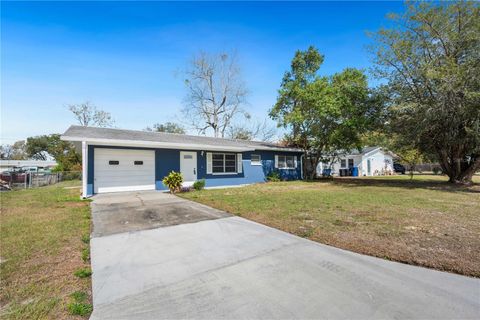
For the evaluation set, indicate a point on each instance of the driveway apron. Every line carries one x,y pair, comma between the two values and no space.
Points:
156,256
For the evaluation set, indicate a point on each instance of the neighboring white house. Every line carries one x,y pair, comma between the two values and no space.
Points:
371,161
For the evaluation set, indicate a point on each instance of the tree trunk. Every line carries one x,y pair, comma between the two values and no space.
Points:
457,173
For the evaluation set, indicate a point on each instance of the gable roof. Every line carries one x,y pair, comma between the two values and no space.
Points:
117,137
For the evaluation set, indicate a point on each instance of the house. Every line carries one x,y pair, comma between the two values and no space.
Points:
125,160
370,161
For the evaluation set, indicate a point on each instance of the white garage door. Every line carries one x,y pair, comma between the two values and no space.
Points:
123,170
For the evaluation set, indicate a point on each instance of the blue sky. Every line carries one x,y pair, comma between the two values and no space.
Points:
125,56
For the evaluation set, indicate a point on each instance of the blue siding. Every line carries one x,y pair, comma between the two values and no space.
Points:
167,160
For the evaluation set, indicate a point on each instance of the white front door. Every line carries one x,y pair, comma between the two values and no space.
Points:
188,167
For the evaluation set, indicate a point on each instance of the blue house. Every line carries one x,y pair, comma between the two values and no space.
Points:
125,160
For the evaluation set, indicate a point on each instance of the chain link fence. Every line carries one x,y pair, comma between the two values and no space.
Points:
26,180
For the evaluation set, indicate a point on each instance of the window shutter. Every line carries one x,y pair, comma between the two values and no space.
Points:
276,161
209,162
295,161
239,163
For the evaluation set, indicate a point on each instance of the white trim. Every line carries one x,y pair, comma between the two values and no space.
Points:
223,173
126,188
239,163
276,161
286,168
156,144
84,168
209,163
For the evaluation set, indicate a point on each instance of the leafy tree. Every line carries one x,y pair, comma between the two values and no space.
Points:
216,92
45,146
88,115
430,58
169,127
324,114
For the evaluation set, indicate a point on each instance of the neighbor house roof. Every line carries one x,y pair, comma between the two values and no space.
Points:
115,137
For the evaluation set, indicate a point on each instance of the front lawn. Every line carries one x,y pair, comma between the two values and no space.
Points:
424,222
43,234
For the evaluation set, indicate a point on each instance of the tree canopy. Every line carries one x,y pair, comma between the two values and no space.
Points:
42,147
324,114
431,60
168,127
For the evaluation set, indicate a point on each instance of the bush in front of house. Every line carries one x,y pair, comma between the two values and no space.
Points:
199,184
437,170
173,181
274,176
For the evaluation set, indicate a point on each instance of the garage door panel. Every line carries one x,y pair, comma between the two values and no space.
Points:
125,175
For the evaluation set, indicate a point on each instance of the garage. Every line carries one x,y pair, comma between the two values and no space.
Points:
123,170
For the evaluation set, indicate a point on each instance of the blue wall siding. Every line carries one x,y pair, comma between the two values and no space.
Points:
167,160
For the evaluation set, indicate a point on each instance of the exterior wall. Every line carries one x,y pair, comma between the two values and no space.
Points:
380,163
167,160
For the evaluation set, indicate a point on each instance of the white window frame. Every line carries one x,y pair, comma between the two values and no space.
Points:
294,161
256,162
348,163
343,166
225,173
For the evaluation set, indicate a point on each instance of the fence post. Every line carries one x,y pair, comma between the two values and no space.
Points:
25,182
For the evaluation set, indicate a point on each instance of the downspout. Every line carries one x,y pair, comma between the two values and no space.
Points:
301,165
84,168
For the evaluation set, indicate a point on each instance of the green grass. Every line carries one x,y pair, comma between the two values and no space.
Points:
41,247
425,221
79,305
83,273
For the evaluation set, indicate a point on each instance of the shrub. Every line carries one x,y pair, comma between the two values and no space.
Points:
86,254
83,273
199,184
86,238
273,176
79,305
80,308
437,170
173,181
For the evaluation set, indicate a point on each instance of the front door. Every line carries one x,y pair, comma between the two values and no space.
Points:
188,167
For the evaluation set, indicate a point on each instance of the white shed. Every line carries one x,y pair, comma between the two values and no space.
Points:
370,161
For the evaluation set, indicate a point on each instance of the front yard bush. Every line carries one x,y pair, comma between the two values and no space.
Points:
199,184
274,176
173,181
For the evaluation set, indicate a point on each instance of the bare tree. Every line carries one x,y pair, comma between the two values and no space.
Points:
216,92
88,115
259,131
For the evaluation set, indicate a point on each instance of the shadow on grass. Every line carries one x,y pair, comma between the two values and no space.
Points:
400,183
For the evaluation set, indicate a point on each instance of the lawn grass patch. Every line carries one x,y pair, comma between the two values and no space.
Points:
425,221
83,273
41,247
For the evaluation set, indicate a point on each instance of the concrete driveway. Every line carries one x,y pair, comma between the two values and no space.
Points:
156,256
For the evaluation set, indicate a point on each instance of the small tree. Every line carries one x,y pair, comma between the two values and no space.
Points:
43,147
168,127
88,115
216,92
325,115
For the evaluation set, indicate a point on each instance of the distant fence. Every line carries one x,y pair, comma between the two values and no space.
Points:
26,180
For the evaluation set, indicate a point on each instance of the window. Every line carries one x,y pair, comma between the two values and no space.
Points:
256,160
350,163
138,163
114,162
187,156
224,163
286,162
343,163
